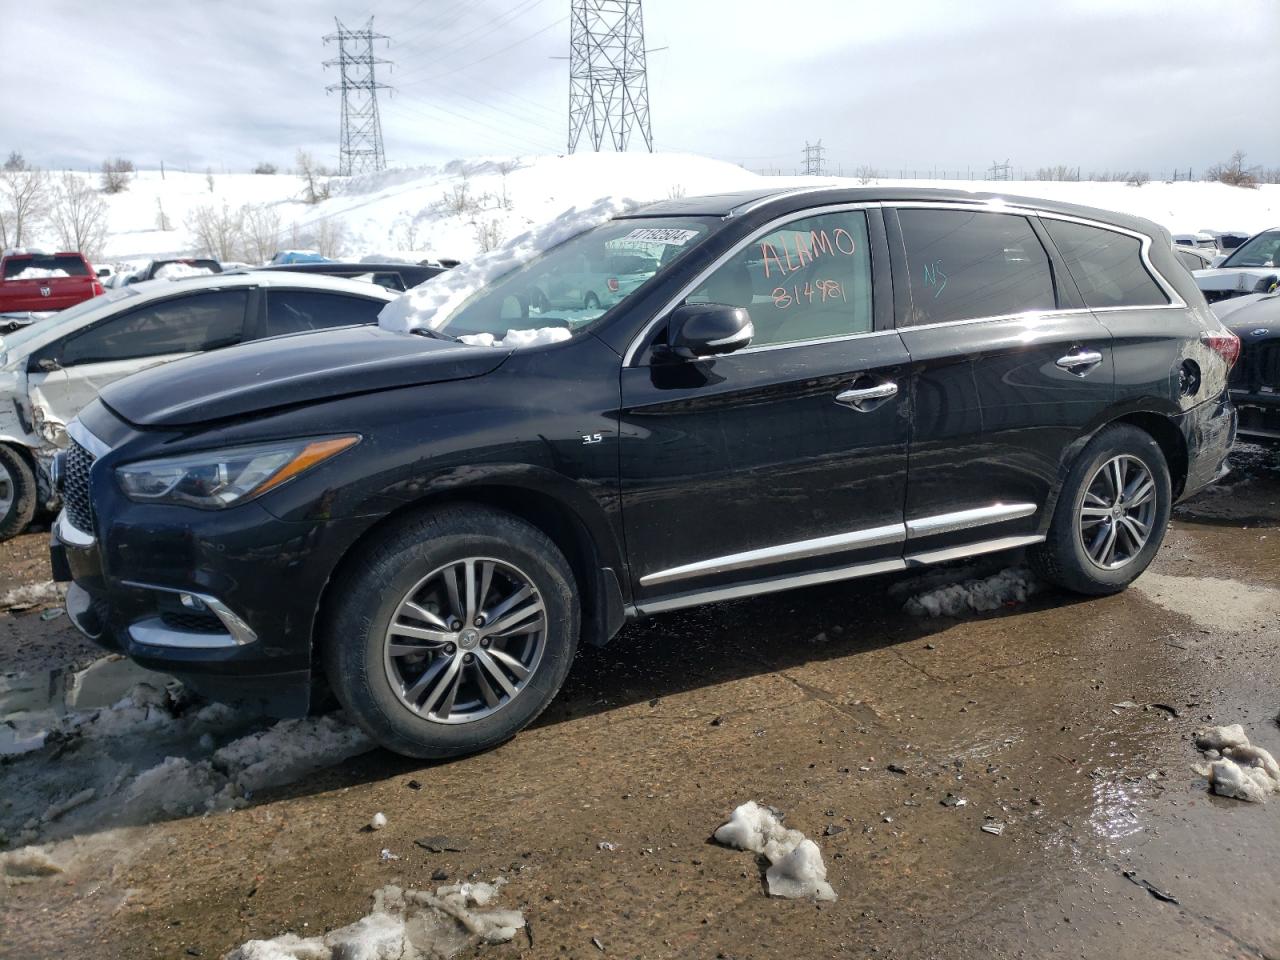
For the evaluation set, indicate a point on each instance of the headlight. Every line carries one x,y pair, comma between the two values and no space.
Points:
214,479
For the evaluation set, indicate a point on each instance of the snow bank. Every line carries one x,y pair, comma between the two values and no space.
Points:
38,273
795,869
404,925
31,595
1014,585
178,271
429,305
1238,768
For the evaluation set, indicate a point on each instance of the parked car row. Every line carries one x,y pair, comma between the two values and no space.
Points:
1253,267
806,386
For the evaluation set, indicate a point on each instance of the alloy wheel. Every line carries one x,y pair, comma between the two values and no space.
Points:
1117,512
6,491
466,640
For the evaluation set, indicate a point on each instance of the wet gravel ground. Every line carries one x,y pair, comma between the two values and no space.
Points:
1068,721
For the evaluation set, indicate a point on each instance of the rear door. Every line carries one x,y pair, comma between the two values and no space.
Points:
784,462
1007,370
65,376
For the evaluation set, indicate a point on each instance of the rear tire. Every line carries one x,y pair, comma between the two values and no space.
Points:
417,677
1111,515
18,493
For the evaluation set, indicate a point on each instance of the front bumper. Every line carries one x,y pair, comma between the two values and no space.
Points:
1259,414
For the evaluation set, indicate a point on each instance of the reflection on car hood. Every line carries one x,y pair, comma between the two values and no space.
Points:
1257,319
282,371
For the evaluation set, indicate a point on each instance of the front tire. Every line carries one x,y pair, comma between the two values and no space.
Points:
18,494
1111,515
451,632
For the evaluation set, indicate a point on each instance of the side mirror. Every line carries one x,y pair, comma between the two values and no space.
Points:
697,330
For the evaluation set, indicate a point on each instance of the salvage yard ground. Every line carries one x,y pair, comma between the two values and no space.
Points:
1065,726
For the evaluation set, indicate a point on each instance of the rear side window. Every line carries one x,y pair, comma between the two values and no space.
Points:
45,266
807,280
965,265
1190,260
192,324
296,311
1106,266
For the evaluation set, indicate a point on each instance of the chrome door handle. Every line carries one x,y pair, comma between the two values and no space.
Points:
1080,363
880,391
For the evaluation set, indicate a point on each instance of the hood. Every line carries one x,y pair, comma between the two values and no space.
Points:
1258,319
282,371
1243,279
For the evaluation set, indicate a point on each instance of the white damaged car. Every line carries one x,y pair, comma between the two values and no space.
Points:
52,368
1253,267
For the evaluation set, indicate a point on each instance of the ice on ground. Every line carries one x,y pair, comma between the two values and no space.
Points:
403,925
514,339
429,305
38,273
1240,769
30,595
1013,585
795,868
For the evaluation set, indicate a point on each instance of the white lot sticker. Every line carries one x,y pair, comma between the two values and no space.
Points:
668,235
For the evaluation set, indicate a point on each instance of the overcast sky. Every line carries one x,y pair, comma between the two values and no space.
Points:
912,84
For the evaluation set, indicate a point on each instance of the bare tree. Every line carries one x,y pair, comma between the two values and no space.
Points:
24,201
409,234
459,200
866,174
1234,172
328,238
488,234
218,232
1059,172
261,232
505,168
115,174
266,168
79,216
315,179
162,219
1137,178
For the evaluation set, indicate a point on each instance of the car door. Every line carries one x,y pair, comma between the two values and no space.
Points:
1008,370
66,375
785,462
299,311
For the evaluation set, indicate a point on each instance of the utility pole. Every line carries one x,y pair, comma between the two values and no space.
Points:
813,160
361,148
608,75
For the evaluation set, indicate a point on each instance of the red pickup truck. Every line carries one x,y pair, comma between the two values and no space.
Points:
45,281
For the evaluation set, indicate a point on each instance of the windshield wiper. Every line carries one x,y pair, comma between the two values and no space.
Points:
434,334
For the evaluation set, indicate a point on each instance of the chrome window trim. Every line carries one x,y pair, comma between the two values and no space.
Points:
636,342
870,568
867,537
751,205
766,347
238,632
78,432
153,632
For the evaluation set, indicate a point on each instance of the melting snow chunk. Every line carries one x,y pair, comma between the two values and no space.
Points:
514,339
1014,585
796,869
1245,771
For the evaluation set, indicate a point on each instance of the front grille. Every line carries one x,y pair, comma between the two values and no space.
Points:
193,622
1267,366
75,487
1258,368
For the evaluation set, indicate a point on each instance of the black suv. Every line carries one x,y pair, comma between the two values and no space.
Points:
812,385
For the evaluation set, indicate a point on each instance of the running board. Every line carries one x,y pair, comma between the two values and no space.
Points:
868,569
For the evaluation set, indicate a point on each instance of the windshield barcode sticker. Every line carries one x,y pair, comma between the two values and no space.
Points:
668,235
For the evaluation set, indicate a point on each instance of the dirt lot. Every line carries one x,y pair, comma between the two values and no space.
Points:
832,704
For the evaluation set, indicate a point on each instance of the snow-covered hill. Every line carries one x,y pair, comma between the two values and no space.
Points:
466,206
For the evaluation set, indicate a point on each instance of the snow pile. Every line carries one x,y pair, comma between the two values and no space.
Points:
795,869
28,863
1237,768
38,273
514,339
31,595
179,271
1014,585
404,925
429,305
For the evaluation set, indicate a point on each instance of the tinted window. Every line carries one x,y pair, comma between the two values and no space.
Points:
808,280
966,265
295,311
202,321
47,266
1190,260
1260,251
1107,266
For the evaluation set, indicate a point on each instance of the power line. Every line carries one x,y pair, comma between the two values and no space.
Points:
813,159
360,150
608,74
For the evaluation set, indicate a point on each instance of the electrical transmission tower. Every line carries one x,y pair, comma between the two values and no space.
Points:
608,79
813,160
998,171
361,149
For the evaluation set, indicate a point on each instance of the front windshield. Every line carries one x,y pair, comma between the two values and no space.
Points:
1262,251
70,315
573,284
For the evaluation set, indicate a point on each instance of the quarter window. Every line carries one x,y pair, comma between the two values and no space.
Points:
1106,266
965,265
809,280
203,321
296,311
